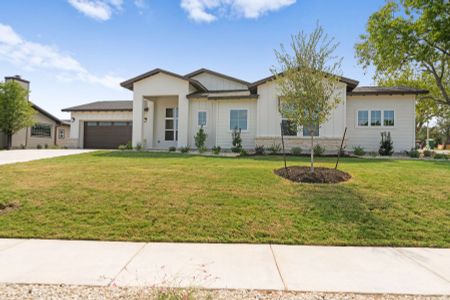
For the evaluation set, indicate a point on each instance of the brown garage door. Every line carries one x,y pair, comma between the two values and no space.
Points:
106,135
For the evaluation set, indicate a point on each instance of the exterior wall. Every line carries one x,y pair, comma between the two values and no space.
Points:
23,137
213,82
63,142
77,126
403,131
197,105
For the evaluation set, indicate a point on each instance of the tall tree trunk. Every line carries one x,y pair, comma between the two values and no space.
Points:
312,152
9,141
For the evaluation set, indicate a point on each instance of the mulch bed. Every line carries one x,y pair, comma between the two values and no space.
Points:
320,175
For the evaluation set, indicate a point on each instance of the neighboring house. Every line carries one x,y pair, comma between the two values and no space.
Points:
47,131
168,109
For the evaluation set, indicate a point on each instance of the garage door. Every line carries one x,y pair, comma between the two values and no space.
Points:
106,135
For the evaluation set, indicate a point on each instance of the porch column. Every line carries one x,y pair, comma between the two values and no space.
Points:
138,120
183,120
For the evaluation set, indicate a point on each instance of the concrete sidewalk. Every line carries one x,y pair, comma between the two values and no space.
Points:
15,156
228,266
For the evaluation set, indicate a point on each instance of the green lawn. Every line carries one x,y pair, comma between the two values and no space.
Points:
173,197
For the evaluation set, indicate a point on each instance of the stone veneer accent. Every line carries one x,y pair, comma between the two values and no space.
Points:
331,145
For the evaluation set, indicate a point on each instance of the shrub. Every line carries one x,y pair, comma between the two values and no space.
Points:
172,148
22,146
236,140
260,150
138,147
185,149
318,150
202,149
45,146
122,147
274,149
296,150
358,150
200,139
38,146
428,153
386,144
129,146
216,149
414,153
243,152
440,156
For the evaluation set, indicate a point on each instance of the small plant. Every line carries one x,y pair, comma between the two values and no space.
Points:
122,147
216,149
414,153
386,144
274,149
440,156
129,146
318,150
428,153
260,150
359,151
243,152
202,149
38,146
45,146
236,140
138,147
200,139
185,149
296,151
172,148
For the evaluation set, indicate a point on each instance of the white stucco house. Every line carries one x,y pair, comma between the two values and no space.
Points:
168,109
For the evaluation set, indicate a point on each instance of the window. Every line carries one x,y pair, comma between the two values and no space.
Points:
61,133
171,124
288,128
238,119
375,118
202,118
120,123
104,123
388,118
41,130
91,124
363,118
308,129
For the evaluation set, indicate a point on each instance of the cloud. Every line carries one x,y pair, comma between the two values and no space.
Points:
31,56
101,10
207,10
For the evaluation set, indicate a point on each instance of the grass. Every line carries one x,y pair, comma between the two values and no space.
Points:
176,197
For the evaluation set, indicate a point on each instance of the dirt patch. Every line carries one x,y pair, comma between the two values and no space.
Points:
7,207
320,175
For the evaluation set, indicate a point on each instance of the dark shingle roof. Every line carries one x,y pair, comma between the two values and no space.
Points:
204,70
120,105
379,90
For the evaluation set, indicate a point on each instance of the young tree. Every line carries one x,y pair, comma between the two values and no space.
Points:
307,81
16,111
410,34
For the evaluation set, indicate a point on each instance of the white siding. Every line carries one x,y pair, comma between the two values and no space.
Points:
213,82
208,106
403,132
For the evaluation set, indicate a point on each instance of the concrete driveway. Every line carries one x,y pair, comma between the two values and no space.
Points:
15,156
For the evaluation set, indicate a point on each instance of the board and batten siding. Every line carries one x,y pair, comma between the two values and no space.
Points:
269,118
213,82
208,106
403,131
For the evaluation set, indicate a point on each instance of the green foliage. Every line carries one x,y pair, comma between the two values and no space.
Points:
38,146
428,153
243,152
296,150
414,153
122,147
260,150
172,148
386,144
138,147
216,150
175,294
318,150
129,146
274,149
236,140
16,112
410,35
440,156
185,149
200,139
358,150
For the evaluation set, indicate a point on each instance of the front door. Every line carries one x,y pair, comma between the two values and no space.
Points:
171,127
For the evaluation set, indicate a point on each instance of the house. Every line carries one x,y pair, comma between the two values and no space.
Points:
48,130
168,109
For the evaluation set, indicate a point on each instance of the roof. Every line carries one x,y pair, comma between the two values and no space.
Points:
16,77
46,113
129,83
203,70
109,105
351,83
225,94
379,90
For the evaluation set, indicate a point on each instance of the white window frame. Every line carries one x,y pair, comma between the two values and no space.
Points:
370,118
229,119
206,117
175,124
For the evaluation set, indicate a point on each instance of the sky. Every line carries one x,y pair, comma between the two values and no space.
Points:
78,51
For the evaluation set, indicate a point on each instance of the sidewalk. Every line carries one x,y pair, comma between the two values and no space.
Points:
229,266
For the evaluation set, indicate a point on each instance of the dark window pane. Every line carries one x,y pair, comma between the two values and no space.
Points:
169,112
288,128
169,124
363,118
120,123
388,118
375,118
91,124
104,123
169,135
308,129
41,130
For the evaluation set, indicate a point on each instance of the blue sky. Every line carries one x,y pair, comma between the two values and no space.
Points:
77,51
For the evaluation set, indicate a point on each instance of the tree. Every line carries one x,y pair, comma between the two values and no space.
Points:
307,81
410,35
200,139
16,111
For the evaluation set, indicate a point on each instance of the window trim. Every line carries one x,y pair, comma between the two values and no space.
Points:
370,118
229,119
50,126
206,118
63,131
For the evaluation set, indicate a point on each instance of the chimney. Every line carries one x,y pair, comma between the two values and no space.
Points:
24,83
